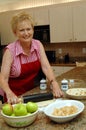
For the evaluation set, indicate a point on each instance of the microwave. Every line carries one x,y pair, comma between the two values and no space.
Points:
42,33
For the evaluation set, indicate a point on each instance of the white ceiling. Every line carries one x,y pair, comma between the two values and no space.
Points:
13,1
6,5
7,1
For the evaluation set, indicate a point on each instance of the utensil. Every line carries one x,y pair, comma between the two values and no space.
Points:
37,97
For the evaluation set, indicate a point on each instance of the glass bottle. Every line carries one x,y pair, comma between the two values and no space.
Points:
64,85
43,84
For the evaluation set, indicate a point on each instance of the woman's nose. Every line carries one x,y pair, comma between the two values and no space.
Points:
26,32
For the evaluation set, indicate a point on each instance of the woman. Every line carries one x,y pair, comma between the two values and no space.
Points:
23,59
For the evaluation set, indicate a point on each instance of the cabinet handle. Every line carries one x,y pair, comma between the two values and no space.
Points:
75,39
70,40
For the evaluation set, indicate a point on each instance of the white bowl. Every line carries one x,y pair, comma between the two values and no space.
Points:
19,121
76,93
58,104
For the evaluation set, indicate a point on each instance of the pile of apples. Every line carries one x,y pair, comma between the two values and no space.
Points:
19,109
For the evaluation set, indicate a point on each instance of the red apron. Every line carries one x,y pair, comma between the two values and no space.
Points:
25,81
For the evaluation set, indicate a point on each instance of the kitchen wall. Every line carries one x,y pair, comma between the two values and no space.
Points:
62,18
77,50
7,5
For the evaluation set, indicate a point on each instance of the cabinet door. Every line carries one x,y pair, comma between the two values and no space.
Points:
58,70
41,16
61,23
67,68
79,22
7,35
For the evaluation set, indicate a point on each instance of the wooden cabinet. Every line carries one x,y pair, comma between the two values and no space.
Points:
67,68
7,35
60,23
68,22
79,21
58,70
41,16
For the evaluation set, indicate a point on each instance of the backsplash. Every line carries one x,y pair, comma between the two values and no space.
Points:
76,51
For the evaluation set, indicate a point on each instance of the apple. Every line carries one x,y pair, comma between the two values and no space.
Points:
13,114
28,113
7,109
20,109
31,107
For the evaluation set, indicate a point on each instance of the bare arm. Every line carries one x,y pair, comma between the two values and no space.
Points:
5,71
49,73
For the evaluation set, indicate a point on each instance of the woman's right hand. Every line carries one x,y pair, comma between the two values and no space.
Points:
12,98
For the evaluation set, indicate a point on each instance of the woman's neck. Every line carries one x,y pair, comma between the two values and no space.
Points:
26,47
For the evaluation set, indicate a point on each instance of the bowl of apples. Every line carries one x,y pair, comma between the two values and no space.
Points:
19,115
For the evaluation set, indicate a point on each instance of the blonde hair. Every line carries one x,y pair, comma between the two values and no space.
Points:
19,18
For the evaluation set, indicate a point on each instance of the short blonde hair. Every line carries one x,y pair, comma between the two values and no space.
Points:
19,18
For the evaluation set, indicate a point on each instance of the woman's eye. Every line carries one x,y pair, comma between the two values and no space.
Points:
21,30
28,29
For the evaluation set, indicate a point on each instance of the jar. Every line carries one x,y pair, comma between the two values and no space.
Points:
71,82
64,85
43,84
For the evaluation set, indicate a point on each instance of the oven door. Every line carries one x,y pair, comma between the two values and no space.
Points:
42,33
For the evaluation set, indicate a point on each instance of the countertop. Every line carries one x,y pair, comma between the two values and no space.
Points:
44,123
63,64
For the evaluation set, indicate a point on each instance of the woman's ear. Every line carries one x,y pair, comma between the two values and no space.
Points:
15,33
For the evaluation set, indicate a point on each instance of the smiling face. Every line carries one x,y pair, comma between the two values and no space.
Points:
24,31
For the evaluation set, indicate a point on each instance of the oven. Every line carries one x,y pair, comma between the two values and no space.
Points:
42,33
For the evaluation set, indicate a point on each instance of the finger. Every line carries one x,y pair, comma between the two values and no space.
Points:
58,94
9,101
14,101
20,100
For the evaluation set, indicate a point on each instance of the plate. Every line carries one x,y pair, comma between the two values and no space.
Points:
76,93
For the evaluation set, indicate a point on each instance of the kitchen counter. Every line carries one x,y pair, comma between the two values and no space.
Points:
44,123
63,64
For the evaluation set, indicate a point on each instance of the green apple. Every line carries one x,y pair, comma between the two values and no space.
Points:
31,107
29,113
12,114
20,109
7,109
